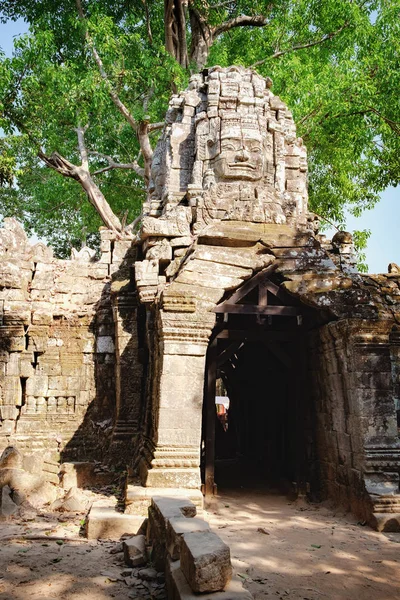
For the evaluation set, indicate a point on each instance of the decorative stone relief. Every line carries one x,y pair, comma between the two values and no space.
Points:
229,149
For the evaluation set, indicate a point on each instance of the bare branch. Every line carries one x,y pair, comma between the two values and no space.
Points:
93,192
155,126
60,164
322,40
148,25
140,129
112,164
114,96
392,124
242,20
80,131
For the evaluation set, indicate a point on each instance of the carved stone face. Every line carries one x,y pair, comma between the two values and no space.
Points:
241,157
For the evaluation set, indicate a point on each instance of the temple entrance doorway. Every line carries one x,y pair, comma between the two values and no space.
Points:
257,424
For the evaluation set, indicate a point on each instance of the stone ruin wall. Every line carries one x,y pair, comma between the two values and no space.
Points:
104,359
58,357
206,220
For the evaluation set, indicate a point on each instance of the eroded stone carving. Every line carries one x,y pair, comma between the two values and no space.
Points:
230,150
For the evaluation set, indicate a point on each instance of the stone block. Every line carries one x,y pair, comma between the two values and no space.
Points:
104,522
135,551
38,336
42,317
11,391
177,527
179,589
8,412
105,343
58,383
139,498
13,366
167,508
205,561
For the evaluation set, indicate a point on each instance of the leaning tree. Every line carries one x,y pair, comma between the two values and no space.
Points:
82,98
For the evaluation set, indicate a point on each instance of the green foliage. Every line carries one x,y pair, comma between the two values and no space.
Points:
360,239
335,63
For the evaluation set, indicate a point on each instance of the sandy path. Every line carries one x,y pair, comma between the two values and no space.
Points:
304,552
43,570
308,552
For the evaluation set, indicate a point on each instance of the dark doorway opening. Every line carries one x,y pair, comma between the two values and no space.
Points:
256,443
257,363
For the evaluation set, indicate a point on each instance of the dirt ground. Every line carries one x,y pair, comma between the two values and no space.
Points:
305,552
280,550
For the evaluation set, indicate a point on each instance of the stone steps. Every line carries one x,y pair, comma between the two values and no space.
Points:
105,522
138,498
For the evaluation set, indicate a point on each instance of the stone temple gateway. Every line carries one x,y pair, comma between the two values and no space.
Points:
227,290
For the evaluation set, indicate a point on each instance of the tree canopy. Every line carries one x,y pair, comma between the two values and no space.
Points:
83,95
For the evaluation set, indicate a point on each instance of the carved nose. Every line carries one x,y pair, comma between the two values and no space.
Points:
242,155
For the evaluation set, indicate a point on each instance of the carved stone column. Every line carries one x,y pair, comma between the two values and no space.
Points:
373,386
172,451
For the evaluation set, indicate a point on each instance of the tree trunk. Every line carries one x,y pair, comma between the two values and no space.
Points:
81,175
97,199
202,39
175,30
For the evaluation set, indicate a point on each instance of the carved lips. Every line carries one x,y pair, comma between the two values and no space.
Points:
239,159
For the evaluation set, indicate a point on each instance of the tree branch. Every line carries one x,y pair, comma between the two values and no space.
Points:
140,129
114,96
93,192
112,164
155,126
392,124
242,20
80,131
323,39
148,25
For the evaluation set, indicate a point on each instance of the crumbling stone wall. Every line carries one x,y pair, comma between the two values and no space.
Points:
58,349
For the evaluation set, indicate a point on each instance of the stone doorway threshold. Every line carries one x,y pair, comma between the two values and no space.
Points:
301,551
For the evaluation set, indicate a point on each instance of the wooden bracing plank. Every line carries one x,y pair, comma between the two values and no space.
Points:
250,285
255,309
228,352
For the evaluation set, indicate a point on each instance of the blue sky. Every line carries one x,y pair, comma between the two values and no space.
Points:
383,220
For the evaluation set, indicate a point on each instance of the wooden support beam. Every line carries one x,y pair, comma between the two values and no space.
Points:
256,335
277,291
209,483
250,285
255,309
228,352
262,294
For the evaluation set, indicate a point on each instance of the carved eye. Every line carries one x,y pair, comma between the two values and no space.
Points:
256,149
229,147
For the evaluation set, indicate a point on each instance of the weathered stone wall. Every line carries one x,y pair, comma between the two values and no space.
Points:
58,350
357,444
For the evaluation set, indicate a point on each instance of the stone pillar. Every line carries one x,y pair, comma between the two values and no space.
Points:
374,392
356,430
128,370
173,454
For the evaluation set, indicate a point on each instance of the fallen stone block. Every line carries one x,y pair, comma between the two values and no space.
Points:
167,508
74,501
385,522
148,574
104,522
179,589
205,561
177,527
135,551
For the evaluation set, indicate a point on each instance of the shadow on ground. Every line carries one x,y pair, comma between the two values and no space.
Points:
301,551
